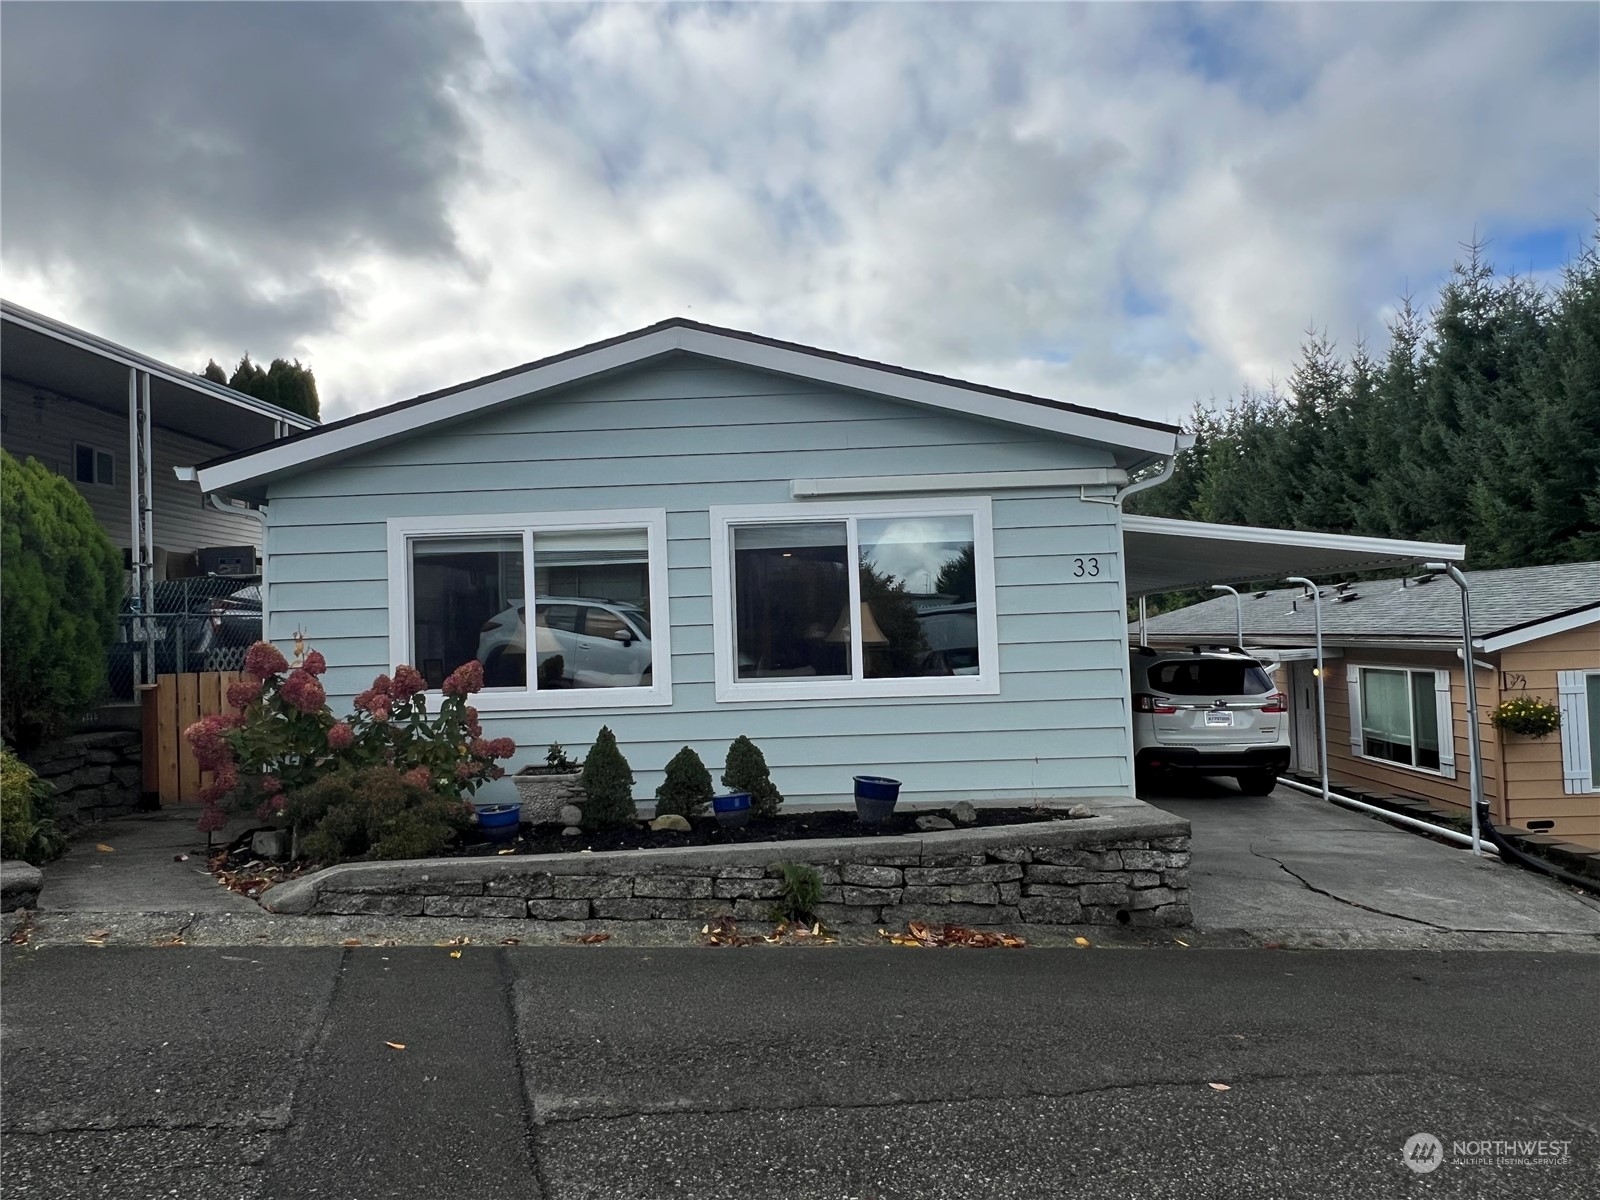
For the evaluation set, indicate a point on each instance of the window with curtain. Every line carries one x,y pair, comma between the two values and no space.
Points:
1400,717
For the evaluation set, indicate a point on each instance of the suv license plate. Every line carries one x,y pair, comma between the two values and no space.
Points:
1219,717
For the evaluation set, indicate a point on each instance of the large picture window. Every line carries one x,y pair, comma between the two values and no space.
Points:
1401,717
556,607
892,598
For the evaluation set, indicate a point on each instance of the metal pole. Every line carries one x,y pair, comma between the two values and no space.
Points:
1470,673
1238,607
136,584
147,555
1144,639
1322,703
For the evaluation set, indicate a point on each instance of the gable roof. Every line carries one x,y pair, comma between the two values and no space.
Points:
1508,607
1139,439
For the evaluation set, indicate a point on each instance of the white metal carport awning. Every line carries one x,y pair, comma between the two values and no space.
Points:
1163,554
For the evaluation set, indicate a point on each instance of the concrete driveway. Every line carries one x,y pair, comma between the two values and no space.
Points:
1291,865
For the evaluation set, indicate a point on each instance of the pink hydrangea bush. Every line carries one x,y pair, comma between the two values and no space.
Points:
284,734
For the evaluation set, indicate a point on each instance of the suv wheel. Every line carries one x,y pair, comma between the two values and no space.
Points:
1257,783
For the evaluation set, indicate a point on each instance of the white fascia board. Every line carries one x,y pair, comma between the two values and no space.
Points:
70,336
1544,629
1295,538
978,481
948,397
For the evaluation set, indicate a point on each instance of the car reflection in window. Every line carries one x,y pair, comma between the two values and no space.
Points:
581,643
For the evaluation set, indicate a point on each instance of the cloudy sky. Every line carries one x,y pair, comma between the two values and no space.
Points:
1131,206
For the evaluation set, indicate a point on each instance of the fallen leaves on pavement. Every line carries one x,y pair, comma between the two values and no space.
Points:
351,942
724,931
19,935
1219,1087
511,941
800,932
251,878
455,954
587,939
103,848
1080,941
172,939
97,937
463,940
920,933
395,1045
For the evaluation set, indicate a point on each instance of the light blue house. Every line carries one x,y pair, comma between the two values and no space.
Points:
690,533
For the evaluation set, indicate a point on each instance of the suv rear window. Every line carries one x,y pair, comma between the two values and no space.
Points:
1209,677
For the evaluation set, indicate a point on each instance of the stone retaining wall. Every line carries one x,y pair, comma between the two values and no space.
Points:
1126,867
95,775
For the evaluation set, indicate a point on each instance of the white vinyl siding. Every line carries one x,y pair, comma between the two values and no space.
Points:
1578,693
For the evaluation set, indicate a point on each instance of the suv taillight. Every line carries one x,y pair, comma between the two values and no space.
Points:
1276,703
1146,703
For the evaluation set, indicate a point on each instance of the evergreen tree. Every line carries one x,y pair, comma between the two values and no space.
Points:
214,373
284,383
608,785
686,790
746,771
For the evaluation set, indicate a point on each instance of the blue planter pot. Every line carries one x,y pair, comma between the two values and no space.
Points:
499,822
733,810
876,797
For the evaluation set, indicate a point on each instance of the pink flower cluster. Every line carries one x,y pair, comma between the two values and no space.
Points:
314,664
303,691
264,660
341,736
407,682
245,692
465,679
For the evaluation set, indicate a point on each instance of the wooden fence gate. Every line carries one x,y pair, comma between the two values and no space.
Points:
173,704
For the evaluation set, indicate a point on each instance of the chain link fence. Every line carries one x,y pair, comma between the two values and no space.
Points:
201,624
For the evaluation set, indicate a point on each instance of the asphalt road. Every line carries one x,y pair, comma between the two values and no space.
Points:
828,1072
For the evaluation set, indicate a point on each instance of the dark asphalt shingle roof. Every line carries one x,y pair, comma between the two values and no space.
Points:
1501,602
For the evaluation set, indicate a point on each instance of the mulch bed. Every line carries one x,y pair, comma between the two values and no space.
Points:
547,839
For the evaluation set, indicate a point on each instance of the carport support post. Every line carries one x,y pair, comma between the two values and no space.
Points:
1322,705
1144,639
1238,608
1474,749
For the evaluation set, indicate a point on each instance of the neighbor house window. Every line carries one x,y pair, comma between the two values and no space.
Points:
557,607
1578,694
889,598
90,464
1403,716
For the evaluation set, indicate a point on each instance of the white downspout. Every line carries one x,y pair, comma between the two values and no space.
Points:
1322,685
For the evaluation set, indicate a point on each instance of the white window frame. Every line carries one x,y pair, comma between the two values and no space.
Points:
731,689
402,531
1443,708
97,451
1578,776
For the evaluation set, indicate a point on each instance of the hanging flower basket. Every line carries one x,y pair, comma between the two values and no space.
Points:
1527,715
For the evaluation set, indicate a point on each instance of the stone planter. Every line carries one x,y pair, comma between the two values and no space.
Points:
545,792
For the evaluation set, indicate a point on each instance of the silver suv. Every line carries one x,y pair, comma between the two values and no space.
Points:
1208,711
582,642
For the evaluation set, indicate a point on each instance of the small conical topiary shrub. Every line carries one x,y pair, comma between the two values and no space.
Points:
687,788
746,771
608,785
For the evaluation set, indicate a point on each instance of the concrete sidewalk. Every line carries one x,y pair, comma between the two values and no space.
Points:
139,871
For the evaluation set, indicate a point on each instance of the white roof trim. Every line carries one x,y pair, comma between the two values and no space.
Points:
94,344
1543,629
977,481
401,421
1255,534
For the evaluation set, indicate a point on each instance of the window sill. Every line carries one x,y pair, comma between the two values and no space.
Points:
753,692
1436,772
566,699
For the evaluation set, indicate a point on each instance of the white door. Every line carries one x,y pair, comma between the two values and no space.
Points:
1303,723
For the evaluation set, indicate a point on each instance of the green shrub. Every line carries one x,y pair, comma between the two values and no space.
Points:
746,771
375,812
60,591
802,892
27,813
686,791
608,785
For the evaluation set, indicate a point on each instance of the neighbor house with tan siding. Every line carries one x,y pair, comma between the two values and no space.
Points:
1396,687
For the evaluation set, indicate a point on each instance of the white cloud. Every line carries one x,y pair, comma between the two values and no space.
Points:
1120,205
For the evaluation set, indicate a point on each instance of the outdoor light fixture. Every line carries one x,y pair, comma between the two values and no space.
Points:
1238,608
1474,750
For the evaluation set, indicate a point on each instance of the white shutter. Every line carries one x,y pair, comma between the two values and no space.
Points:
1353,678
1447,723
1577,756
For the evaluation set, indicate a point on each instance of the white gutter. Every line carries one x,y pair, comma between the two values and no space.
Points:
1183,441
977,481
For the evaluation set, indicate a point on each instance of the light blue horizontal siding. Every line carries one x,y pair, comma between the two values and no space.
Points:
684,438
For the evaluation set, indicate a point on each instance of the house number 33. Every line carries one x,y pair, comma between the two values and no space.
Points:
1085,566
